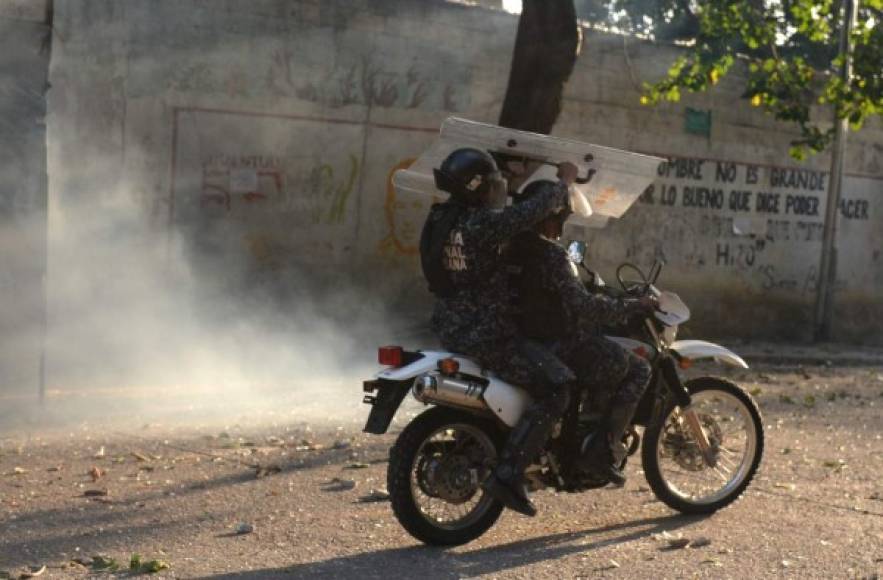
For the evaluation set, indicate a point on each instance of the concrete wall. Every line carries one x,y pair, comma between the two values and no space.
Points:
264,132
24,65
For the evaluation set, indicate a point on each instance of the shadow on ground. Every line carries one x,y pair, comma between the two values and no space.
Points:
426,562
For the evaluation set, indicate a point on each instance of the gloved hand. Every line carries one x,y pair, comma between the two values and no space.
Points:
645,305
649,303
567,172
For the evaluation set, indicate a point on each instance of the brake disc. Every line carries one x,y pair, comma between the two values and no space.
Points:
679,445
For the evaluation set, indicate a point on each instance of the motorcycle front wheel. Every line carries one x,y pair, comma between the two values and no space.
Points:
435,471
679,473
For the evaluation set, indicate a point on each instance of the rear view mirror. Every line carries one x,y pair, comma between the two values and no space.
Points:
576,251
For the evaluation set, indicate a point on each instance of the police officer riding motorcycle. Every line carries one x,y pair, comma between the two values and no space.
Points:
554,307
462,247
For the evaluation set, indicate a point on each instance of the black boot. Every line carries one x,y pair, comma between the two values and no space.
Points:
606,451
506,483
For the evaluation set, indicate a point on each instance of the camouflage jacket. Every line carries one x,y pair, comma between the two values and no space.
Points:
479,310
552,302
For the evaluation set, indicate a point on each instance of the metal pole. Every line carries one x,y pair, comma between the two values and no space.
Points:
828,263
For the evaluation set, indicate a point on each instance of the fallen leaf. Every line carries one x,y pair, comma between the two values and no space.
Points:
154,566
244,528
307,445
33,572
135,562
140,456
375,495
809,401
19,471
755,391
105,563
96,473
677,544
95,493
338,484
265,470
786,399
54,468
100,454
357,465
788,486
611,565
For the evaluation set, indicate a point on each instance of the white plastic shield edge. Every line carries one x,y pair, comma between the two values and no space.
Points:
620,179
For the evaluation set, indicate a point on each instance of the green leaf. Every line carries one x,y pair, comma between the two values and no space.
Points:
135,562
154,566
105,563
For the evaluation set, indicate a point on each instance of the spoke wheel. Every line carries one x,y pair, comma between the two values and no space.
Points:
685,478
435,471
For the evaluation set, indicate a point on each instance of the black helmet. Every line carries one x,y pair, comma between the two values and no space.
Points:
465,174
533,188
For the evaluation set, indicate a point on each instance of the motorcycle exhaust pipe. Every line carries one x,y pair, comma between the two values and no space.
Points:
444,390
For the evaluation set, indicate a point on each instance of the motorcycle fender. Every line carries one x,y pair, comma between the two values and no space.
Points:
384,403
506,402
699,349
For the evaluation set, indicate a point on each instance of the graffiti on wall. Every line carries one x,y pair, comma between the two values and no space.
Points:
282,186
404,217
375,82
760,224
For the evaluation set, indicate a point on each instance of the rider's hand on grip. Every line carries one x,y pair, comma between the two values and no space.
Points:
648,303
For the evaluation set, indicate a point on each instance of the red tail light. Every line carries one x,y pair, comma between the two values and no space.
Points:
390,355
449,366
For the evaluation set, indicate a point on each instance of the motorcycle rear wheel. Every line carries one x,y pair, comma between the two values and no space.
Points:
673,464
435,468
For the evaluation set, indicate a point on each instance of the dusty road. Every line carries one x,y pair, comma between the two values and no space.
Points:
178,495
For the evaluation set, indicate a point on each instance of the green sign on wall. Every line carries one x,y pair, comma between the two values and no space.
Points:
697,122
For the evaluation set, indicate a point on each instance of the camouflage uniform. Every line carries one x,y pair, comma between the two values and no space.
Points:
556,308
477,318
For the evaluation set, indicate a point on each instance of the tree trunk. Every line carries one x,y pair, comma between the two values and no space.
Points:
546,47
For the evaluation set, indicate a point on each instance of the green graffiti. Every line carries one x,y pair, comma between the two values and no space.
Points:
337,193
338,206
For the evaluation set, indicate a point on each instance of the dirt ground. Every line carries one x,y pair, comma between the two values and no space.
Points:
181,495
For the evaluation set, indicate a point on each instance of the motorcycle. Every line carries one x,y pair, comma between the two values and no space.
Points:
701,445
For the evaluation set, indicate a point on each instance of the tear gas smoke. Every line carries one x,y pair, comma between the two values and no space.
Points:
144,326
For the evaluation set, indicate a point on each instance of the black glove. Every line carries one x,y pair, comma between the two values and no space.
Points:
645,305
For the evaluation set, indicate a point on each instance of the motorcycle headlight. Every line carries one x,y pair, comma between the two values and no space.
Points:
670,334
